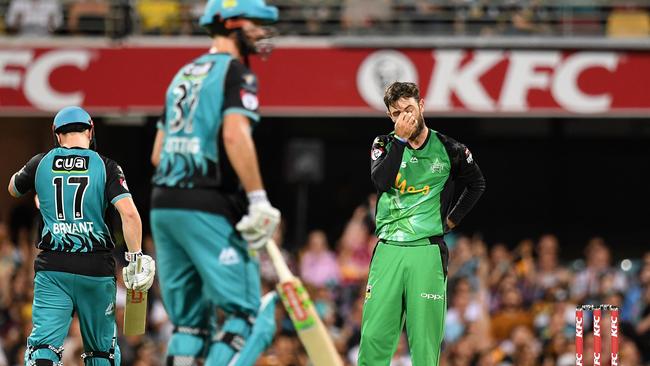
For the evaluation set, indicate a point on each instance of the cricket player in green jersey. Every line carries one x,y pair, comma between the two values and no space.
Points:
415,171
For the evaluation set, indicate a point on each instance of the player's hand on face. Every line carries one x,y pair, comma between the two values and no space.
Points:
142,280
405,125
258,226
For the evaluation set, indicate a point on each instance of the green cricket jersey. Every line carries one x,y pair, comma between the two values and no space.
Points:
416,186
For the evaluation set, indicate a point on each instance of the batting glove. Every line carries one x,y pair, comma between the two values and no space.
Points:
258,226
139,280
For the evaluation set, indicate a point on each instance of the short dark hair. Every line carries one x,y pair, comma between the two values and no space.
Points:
72,127
398,90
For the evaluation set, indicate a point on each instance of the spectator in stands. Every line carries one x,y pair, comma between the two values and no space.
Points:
358,16
633,302
318,265
464,309
34,17
548,272
88,17
587,284
355,252
643,326
510,314
159,16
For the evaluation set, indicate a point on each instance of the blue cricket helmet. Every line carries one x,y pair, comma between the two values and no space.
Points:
248,9
70,115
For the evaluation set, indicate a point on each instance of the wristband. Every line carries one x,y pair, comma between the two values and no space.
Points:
258,196
400,139
132,256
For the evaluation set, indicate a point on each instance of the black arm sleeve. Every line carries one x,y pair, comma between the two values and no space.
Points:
466,172
386,158
240,91
24,178
116,187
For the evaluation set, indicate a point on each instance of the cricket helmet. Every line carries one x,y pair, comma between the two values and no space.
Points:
70,115
221,10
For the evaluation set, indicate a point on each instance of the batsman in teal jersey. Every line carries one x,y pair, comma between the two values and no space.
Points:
209,207
75,268
415,170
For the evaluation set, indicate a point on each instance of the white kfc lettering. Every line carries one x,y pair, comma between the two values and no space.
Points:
596,358
11,78
523,75
614,326
579,327
454,75
596,326
614,359
566,90
449,76
578,359
36,79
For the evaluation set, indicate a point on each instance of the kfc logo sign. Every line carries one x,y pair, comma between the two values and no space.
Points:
23,70
578,360
459,73
579,327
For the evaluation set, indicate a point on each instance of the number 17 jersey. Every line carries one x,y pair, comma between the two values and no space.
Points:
74,188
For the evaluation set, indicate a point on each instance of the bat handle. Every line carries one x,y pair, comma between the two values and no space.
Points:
281,268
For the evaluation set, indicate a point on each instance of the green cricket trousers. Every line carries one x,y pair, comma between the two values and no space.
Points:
407,285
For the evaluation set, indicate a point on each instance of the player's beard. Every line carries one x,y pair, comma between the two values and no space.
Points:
418,128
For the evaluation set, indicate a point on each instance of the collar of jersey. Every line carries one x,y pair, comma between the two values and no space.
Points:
426,141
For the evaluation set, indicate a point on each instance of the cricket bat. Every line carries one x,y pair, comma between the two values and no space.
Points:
296,301
135,312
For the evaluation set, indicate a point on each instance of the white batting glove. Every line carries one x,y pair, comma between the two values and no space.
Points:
258,226
142,280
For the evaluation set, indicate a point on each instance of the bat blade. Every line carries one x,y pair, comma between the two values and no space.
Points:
309,327
296,301
135,311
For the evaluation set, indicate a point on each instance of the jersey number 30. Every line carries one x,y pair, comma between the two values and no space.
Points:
82,184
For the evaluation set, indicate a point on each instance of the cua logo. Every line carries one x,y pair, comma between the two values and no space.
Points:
70,163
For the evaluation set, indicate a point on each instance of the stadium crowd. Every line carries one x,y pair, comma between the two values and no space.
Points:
507,305
118,18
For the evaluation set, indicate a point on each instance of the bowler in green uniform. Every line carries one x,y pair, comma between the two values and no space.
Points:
415,171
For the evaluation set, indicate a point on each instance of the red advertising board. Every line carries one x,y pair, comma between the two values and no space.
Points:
337,81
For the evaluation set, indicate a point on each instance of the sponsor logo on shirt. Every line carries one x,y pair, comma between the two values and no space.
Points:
468,156
368,291
434,297
228,257
70,163
437,167
403,187
110,309
376,153
123,183
249,100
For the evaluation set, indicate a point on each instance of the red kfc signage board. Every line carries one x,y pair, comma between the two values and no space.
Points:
337,81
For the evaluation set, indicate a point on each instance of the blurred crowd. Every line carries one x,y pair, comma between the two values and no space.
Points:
507,304
118,18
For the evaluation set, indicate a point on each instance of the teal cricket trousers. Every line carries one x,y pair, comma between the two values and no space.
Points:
57,297
203,263
407,285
